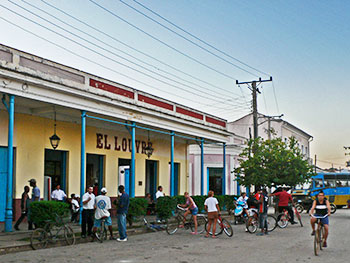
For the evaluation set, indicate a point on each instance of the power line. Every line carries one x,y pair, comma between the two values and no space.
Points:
98,64
134,49
197,38
92,50
107,45
274,94
189,40
162,42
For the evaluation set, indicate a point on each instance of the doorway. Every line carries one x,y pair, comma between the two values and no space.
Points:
56,168
151,178
94,172
215,180
124,177
3,185
176,177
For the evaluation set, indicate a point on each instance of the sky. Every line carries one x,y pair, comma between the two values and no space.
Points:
303,45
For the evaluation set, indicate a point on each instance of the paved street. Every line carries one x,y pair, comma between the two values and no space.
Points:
293,244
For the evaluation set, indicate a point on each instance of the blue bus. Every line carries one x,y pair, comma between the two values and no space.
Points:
336,187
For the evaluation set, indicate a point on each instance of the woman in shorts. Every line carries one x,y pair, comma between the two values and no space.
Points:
211,205
191,208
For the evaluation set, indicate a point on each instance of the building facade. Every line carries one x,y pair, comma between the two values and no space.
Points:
110,134
240,131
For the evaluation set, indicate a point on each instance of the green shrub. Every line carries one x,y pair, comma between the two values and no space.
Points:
199,200
42,211
165,206
229,202
137,207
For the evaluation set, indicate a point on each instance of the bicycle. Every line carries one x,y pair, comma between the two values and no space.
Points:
101,233
284,218
172,225
319,234
153,226
52,232
224,226
252,224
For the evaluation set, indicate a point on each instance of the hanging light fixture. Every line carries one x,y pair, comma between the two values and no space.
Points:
54,139
148,148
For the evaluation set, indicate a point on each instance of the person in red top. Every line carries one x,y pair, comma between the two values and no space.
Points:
284,199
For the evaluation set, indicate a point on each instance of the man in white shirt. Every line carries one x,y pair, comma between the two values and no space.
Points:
102,206
58,194
88,212
160,192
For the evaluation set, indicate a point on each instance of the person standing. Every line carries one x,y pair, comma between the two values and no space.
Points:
24,207
75,208
102,206
35,197
211,205
263,202
160,192
284,199
122,210
88,212
58,194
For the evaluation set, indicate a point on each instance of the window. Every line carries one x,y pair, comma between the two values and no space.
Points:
318,183
302,149
306,151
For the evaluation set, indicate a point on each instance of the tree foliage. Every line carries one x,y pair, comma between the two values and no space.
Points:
273,163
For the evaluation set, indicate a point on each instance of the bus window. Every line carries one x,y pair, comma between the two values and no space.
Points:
342,183
318,183
329,183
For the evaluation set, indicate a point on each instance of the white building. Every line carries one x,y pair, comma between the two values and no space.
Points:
241,130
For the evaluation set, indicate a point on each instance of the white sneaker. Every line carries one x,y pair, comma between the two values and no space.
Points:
246,230
122,240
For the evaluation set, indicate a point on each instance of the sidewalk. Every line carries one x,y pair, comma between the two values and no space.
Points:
20,240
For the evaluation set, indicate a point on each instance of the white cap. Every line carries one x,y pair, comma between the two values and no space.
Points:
103,190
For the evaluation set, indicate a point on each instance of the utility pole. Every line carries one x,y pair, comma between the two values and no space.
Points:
254,89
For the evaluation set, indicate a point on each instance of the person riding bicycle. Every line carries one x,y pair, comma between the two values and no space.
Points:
102,205
323,208
284,199
191,208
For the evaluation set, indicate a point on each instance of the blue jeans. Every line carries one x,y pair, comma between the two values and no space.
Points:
121,219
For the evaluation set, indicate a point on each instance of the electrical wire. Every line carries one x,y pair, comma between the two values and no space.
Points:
98,64
162,42
96,52
197,38
99,40
134,49
274,94
185,38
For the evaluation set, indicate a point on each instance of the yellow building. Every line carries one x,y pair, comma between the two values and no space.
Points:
110,134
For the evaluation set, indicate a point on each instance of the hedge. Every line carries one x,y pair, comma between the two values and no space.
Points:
42,211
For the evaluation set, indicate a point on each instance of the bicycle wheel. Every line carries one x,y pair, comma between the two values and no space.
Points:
321,238
316,243
252,225
218,229
271,223
69,235
282,221
299,208
227,228
172,225
299,217
38,239
101,233
201,220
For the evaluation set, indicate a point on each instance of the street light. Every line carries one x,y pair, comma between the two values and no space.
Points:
148,149
54,139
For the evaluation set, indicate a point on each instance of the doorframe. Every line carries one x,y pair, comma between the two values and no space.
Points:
156,175
206,169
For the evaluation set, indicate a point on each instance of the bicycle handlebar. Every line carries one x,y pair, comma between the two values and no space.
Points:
180,208
319,217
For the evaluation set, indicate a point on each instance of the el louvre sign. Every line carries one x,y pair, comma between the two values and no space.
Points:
120,144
